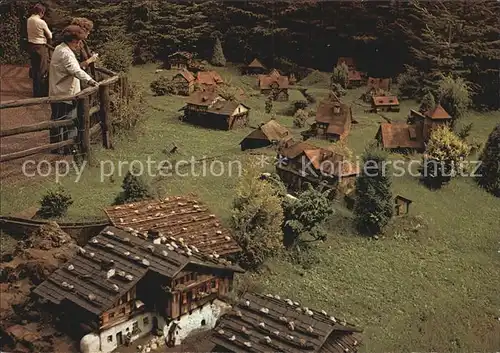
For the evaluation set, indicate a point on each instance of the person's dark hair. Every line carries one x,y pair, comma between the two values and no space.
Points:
73,32
38,9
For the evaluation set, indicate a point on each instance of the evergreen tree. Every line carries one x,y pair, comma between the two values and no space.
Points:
443,157
454,96
428,102
489,170
269,104
218,58
373,207
134,188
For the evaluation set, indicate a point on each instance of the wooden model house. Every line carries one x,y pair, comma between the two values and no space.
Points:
333,120
184,82
208,78
355,79
275,85
122,286
401,205
265,135
379,83
208,109
259,324
255,68
183,218
180,60
385,104
430,119
400,137
302,163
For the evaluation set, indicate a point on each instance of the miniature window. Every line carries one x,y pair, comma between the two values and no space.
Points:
110,338
135,326
145,321
203,322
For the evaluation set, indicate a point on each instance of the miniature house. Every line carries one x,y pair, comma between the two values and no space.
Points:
401,205
385,104
265,135
180,60
184,82
255,68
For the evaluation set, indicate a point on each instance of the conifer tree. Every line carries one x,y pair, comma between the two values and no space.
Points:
340,75
489,170
373,207
218,58
428,102
134,188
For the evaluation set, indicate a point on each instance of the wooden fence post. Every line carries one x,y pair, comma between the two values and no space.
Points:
105,115
84,126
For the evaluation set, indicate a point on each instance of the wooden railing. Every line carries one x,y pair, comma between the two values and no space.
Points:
85,121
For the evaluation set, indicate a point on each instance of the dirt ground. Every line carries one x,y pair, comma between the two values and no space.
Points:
25,264
16,84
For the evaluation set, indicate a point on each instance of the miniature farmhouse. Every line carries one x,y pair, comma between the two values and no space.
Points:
165,165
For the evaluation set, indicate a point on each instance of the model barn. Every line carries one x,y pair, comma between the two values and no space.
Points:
180,60
208,79
184,218
430,119
266,323
274,85
122,286
385,104
401,137
184,82
210,110
265,135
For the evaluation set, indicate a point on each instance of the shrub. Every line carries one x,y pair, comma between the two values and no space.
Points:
127,112
443,157
455,96
218,58
134,188
428,102
305,216
373,207
257,218
117,55
162,86
299,118
489,170
464,131
338,90
340,75
229,92
269,105
55,203
409,83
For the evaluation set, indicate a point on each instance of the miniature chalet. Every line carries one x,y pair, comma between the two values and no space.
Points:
182,217
300,163
401,205
184,82
209,109
412,136
122,286
385,104
208,78
261,324
275,85
355,79
379,83
255,68
265,135
333,120
400,137
180,60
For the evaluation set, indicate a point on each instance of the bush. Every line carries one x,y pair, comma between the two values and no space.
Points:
300,118
410,83
269,105
257,218
443,157
55,203
127,112
134,188
117,55
340,75
338,90
455,96
373,206
489,170
162,86
428,102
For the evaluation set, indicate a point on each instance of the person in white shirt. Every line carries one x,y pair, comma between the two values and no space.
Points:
65,75
38,34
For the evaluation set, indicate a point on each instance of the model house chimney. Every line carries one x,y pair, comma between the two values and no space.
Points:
155,236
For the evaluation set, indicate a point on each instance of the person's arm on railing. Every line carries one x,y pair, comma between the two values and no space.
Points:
74,69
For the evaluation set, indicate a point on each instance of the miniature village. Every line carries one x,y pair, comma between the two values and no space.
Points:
254,191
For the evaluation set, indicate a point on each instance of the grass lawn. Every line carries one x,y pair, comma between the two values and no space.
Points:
428,288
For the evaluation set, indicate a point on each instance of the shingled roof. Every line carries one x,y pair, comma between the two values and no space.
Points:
203,98
265,82
384,100
379,83
188,76
438,113
209,78
113,262
338,123
185,54
256,64
354,75
296,149
181,217
261,323
401,135
224,107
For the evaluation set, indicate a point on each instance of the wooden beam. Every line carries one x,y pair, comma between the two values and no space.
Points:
57,99
105,102
106,71
35,150
84,126
95,129
45,125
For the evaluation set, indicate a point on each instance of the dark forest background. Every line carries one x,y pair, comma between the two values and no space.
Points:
385,37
